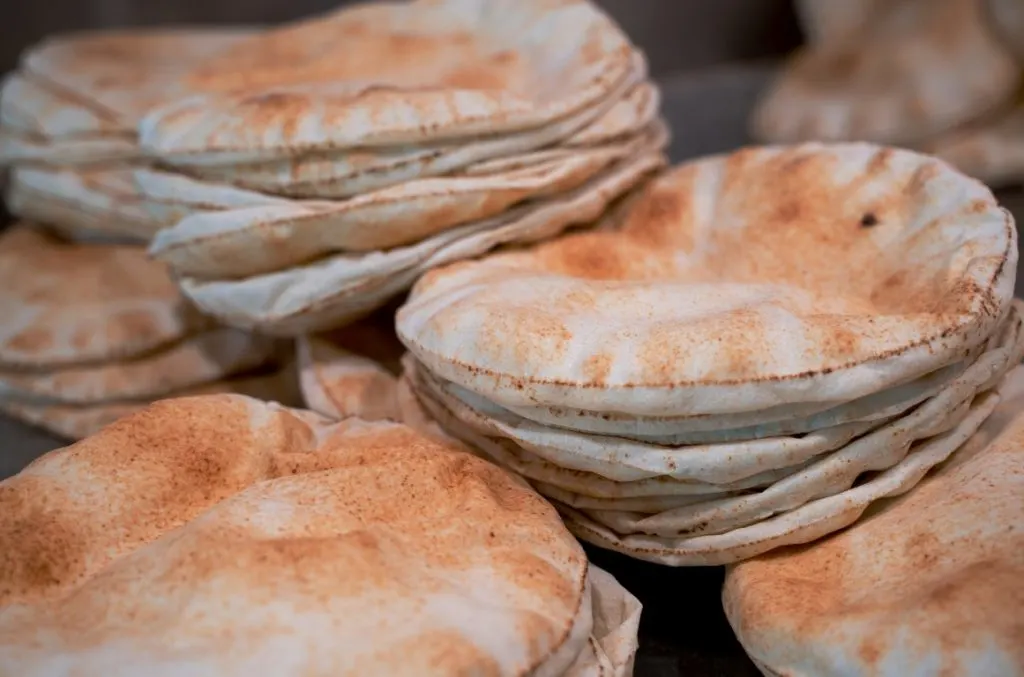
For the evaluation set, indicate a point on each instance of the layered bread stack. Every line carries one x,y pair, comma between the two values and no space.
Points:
92,332
319,168
68,119
760,347
94,328
223,535
940,76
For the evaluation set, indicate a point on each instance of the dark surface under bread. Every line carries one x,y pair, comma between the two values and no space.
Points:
683,629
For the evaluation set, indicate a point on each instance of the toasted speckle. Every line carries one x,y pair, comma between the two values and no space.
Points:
88,302
770,264
266,520
927,577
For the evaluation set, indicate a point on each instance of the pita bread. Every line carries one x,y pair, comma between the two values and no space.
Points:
170,197
917,68
624,460
339,382
807,523
928,581
616,623
770,276
638,109
993,153
99,200
544,473
828,21
428,70
67,304
235,475
723,514
347,173
638,504
621,460
353,371
791,483
827,476
121,74
248,241
66,220
75,421
704,429
30,108
343,288
416,416
75,152
201,359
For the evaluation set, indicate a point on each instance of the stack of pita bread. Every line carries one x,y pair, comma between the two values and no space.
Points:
319,168
92,332
929,583
940,76
758,347
68,119
224,535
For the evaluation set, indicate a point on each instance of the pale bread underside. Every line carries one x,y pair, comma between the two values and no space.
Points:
241,242
342,288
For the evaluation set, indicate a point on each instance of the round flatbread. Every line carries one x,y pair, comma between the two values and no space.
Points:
81,200
267,539
930,581
65,303
75,421
352,371
771,276
804,524
206,357
427,70
341,288
29,107
121,74
605,482
244,242
347,173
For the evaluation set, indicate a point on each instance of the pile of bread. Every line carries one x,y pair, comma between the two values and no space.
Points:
760,347
729,362
283,199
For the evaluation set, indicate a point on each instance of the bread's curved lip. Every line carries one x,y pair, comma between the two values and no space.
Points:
285,320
